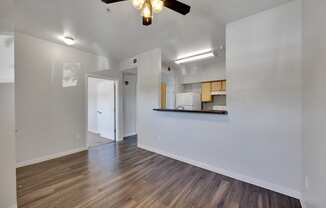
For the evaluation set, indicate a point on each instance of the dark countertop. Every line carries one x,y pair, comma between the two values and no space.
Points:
192,111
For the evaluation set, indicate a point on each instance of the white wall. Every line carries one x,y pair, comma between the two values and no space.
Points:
265,75
260,141
314,51
148,97
7,16
7,129
7,146
129,104
128,64
206,70
50,118
7,107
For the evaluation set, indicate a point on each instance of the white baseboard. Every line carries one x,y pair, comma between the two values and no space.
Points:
120,140
49,157
130,134
244,178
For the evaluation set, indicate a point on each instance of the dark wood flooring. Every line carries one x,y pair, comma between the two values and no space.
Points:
123,176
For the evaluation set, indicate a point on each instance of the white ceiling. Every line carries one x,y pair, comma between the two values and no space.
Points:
120,34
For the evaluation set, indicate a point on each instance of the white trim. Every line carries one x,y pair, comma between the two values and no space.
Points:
93,132
238,176
303,204
117,103
119,139
130,134
49,157
7,80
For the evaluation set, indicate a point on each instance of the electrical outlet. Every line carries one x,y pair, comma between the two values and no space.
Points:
306,182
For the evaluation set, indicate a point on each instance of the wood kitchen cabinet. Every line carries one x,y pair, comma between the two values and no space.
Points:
219,86
206,92
223,86
163,94
216,86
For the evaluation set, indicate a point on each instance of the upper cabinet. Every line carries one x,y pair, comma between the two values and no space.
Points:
209,89
206,92
219,86
216,86
163,94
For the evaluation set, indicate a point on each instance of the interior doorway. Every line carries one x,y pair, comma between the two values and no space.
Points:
101,111
130,102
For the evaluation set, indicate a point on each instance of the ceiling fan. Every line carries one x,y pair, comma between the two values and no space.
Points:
148,7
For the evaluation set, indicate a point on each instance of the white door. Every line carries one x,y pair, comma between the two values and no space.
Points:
106,109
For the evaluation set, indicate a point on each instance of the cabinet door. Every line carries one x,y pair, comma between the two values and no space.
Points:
223,85
217,86
163,94
206,92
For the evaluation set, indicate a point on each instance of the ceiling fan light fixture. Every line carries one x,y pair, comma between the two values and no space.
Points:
157,5
147,11
147,21
148,7
138,4
68,40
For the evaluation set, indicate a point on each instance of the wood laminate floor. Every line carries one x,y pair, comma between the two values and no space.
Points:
94,140
123,176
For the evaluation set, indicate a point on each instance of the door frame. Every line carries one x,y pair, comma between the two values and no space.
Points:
116,104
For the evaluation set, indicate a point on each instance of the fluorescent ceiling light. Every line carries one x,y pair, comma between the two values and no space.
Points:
194,53
195,57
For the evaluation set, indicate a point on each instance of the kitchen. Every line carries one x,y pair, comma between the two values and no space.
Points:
195,83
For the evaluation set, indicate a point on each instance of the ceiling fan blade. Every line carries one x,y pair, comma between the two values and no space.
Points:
112,1
147,21
177,6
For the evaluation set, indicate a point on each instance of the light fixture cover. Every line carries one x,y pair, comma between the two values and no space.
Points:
138,4
195,57
147,10
157,5
68,40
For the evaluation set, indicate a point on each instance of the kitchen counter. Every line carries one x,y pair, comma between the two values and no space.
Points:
219,112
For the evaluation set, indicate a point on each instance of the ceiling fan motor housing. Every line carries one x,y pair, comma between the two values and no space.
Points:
148,9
